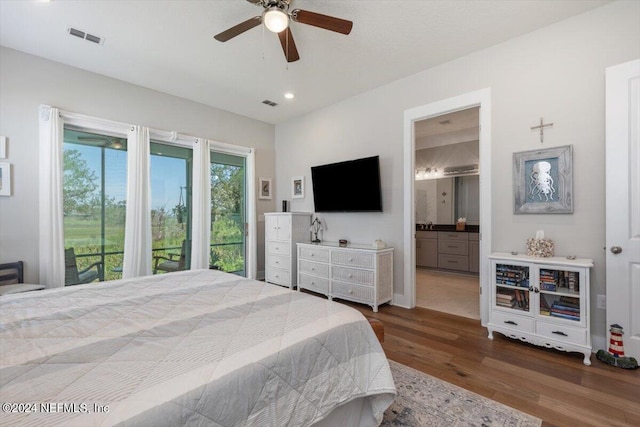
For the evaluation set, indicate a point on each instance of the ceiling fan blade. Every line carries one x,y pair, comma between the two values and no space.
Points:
254,1
322,21
288,45
238,29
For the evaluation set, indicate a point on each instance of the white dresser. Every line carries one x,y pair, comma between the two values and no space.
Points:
282,231
356,273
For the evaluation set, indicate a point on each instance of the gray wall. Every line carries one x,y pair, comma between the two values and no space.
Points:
557,72
27,81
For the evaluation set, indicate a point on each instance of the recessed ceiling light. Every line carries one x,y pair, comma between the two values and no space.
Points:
289,95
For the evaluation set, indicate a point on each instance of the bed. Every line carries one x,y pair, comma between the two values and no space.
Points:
201,348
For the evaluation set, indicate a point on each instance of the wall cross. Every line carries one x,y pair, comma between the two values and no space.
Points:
541,126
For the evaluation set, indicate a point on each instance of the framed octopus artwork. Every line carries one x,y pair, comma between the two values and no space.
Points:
543,181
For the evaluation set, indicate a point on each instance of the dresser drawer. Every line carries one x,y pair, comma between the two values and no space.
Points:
279,261
562,333
313,283
280,248
352,292
279,276
353,275
431,235
512,321
453,262
453,247
314,254
313,268
352,258
445,235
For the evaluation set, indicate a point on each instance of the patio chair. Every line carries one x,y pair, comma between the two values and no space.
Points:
172,261
73,276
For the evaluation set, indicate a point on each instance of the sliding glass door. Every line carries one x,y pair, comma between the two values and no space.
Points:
171,177
94,204
228,213
94,196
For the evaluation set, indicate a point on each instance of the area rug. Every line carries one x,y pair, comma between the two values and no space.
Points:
427,401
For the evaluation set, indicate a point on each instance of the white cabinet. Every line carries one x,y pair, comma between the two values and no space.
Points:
543,301
356,273
282,231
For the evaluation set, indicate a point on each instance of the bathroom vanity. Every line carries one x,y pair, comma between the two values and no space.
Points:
448,249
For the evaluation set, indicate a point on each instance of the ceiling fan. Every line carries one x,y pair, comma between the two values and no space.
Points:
277,18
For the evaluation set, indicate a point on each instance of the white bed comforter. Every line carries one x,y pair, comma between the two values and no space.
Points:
190,348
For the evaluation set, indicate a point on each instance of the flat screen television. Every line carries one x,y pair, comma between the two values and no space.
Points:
351,186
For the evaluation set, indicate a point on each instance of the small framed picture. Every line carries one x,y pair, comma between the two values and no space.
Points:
5,179
265,188
3,147
297,187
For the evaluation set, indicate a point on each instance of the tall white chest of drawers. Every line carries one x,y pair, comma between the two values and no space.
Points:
282,231
355,273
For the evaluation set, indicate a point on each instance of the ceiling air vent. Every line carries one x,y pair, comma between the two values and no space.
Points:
461,170
86,36
269,103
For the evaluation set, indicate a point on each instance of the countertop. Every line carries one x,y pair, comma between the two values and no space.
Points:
452,228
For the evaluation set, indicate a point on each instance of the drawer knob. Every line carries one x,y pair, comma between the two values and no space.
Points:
350,259
313,254
350,276
277,262
510,322
313,269
559,333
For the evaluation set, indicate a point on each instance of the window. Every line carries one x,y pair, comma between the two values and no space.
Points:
171,174
228,213
94,200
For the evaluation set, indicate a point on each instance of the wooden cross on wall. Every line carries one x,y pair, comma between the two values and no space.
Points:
541,126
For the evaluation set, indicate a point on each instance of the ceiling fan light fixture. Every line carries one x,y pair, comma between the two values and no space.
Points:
275,19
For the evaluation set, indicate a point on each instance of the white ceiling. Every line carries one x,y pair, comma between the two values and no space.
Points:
168,45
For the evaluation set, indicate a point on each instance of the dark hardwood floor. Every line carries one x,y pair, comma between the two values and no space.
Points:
551,385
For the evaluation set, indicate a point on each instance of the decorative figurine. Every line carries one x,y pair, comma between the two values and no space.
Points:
615,356
316,226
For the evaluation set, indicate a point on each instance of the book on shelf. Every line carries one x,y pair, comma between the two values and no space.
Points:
564,316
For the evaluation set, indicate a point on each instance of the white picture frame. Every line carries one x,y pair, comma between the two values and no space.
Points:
3,147
297,187
264,188
5,179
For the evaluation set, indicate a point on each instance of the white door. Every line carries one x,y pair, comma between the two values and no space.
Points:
623,201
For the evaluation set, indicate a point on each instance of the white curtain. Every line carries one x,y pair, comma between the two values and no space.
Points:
137,240
51,171
201,205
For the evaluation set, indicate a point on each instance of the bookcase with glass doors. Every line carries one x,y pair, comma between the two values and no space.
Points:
542,301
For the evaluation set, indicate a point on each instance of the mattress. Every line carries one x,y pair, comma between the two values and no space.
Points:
197,348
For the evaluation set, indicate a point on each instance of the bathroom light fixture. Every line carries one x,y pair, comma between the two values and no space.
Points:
275,19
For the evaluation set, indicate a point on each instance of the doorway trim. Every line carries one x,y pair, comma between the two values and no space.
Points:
480,98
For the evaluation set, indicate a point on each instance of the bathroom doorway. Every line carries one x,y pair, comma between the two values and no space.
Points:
480,98
447,212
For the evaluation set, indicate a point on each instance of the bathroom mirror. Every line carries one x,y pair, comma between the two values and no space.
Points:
444,200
